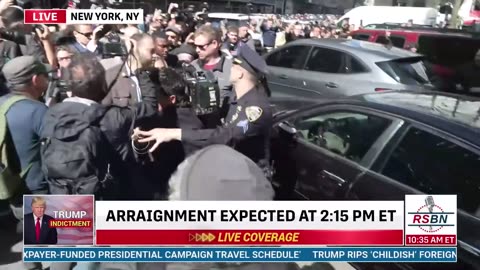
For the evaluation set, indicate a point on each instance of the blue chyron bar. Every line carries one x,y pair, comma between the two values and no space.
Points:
240,254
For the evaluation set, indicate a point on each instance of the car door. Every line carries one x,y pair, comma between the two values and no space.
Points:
285,66
422,160
334,73
327,151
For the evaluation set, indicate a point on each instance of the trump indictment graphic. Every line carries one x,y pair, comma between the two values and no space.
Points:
431,220
58,220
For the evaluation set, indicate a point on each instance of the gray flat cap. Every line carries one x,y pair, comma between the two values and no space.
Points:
21,69
219,173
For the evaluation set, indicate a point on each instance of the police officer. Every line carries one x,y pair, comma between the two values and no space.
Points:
247,123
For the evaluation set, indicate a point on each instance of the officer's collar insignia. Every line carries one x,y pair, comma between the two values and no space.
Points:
253,113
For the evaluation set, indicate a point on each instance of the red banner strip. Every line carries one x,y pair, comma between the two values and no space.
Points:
45,16
250,237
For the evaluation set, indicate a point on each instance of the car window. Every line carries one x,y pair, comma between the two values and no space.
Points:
398,42
348,134
361,36
326,60
435,165
289,57
356,66
410,71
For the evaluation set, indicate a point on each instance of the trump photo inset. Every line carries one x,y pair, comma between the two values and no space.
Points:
58,219
36,225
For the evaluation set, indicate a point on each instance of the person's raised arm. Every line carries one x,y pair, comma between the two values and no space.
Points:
45,35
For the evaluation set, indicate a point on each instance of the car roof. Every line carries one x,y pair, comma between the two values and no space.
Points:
231,16
429,32
456,114
378,52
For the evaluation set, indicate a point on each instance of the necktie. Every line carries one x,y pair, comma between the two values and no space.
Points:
37,229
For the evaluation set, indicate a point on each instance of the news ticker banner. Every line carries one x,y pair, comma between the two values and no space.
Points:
84,16
422,220
242,254
345,223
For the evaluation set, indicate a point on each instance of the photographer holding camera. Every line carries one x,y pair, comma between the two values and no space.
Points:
249,119
208,43
32,39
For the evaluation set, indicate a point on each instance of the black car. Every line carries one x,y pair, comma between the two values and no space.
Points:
380,147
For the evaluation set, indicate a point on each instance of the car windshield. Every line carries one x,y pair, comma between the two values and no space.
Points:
410,71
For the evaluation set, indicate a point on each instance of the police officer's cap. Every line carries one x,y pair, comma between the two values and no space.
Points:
250,61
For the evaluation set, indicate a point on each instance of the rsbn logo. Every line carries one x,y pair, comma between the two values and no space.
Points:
430,217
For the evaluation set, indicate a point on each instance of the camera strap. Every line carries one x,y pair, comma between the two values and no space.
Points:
124,62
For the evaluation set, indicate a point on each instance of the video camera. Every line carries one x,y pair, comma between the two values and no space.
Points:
57,89
203,90
114,46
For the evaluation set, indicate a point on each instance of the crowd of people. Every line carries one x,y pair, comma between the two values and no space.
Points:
105,109
134,72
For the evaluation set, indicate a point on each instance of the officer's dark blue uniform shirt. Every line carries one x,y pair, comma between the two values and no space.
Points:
248,121
246,127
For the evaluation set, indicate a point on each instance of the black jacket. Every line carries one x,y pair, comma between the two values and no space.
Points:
183,118
48,236
116,123
151,176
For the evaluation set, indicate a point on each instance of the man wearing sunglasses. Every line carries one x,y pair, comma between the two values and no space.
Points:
85,36
208,43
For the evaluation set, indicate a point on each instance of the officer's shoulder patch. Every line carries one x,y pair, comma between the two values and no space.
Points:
253,113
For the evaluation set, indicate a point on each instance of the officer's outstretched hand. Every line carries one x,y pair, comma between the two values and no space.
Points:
159,135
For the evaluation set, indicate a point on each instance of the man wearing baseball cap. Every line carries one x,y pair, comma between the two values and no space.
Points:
27,80
247,124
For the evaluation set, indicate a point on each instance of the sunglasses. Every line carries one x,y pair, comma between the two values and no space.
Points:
203,47
87,35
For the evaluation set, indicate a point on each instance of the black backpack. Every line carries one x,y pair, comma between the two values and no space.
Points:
77,162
